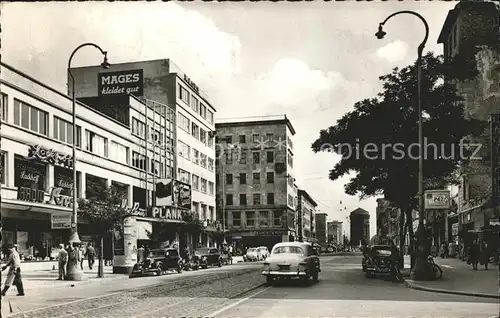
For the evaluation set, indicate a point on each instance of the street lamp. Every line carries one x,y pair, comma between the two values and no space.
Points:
74,272
421,271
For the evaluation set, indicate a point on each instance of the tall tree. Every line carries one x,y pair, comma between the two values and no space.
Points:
378,140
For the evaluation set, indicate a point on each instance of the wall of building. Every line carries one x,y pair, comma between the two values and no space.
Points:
321,228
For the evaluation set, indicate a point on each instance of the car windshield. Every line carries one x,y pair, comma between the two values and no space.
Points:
288,250
156,253
201,251
383,252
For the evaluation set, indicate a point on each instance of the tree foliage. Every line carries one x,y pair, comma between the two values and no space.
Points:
388,123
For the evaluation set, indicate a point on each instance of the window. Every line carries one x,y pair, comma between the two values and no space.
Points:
243,178
236,218
270,198
203,185
242,139
156,137
4,105
138,128
96,144
290,160
278,218
196,182
256,178
255,138
184,176
211,188
229,199
210,164
63,131
263,218
194,104
290,200
183,149
2,168
256,199
270,177
183,122
256,157
30,117
138,161
270,137
203,160
243,199
250,218
211,140
156,167
243,156
195,131
229,178
203,110
183,94
289,141
229,156
203,136
118,152
196,156
210,116
229,139
270,157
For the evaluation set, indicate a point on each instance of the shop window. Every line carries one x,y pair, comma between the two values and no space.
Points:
63,178
29,174
236,218
30,117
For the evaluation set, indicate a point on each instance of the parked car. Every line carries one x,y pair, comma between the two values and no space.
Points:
263,251
292,259
158,262
208,256
377,260
253,254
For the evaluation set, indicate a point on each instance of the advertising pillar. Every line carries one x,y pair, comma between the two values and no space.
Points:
125,246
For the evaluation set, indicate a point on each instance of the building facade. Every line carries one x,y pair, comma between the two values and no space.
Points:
321,228
471,30
306,210
360,227
335,233
255,180
193,134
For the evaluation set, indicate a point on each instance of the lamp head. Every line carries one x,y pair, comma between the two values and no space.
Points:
380,33
105,64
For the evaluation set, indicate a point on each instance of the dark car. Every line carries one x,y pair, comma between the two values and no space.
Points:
377,260
158,262
208,256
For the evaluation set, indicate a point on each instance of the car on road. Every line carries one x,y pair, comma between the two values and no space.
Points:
158,262
291,260
208,256
252,254
377,260
263,251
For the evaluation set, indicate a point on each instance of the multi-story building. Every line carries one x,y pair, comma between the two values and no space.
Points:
471,31
335,232
255,180
306,209
360,227
37,167
321,228
193,134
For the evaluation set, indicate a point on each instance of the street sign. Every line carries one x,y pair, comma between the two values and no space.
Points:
437,199
61,221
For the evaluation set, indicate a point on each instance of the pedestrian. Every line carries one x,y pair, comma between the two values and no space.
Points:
485,254
62,259
81,250
146,251
474,254
140,254
14,273
91,254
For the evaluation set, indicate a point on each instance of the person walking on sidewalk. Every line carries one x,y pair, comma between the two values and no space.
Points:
81,250
474,254
90,253
14,273
62,259
485,254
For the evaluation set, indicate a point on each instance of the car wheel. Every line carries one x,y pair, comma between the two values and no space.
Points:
159,270
269,279
179,268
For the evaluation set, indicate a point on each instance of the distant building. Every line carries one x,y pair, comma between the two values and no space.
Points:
360,226
321,230
335,232
305,214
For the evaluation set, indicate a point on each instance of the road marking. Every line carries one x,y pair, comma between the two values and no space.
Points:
218,312
447,266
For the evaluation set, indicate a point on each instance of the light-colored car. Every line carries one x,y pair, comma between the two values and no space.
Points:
264,252
253,254
292,259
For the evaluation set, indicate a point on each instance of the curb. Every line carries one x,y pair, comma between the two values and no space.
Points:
447,291
248,290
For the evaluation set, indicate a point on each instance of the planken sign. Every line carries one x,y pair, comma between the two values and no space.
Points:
121,83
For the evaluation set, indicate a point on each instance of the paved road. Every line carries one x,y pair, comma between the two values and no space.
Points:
343,291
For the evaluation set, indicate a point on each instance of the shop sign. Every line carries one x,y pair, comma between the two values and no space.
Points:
50,156
270,233
38,196
166,212
120,83
133,210
171,192
61,221
454,229
437,199
191,84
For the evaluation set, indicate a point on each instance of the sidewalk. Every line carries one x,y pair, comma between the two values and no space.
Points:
459,278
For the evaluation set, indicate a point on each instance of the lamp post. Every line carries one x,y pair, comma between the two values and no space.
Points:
73,271
421,271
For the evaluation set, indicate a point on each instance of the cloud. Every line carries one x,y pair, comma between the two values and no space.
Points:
393,52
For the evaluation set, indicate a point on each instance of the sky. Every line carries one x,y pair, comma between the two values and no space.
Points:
311,61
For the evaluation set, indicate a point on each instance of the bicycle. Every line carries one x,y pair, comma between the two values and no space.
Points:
438,272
